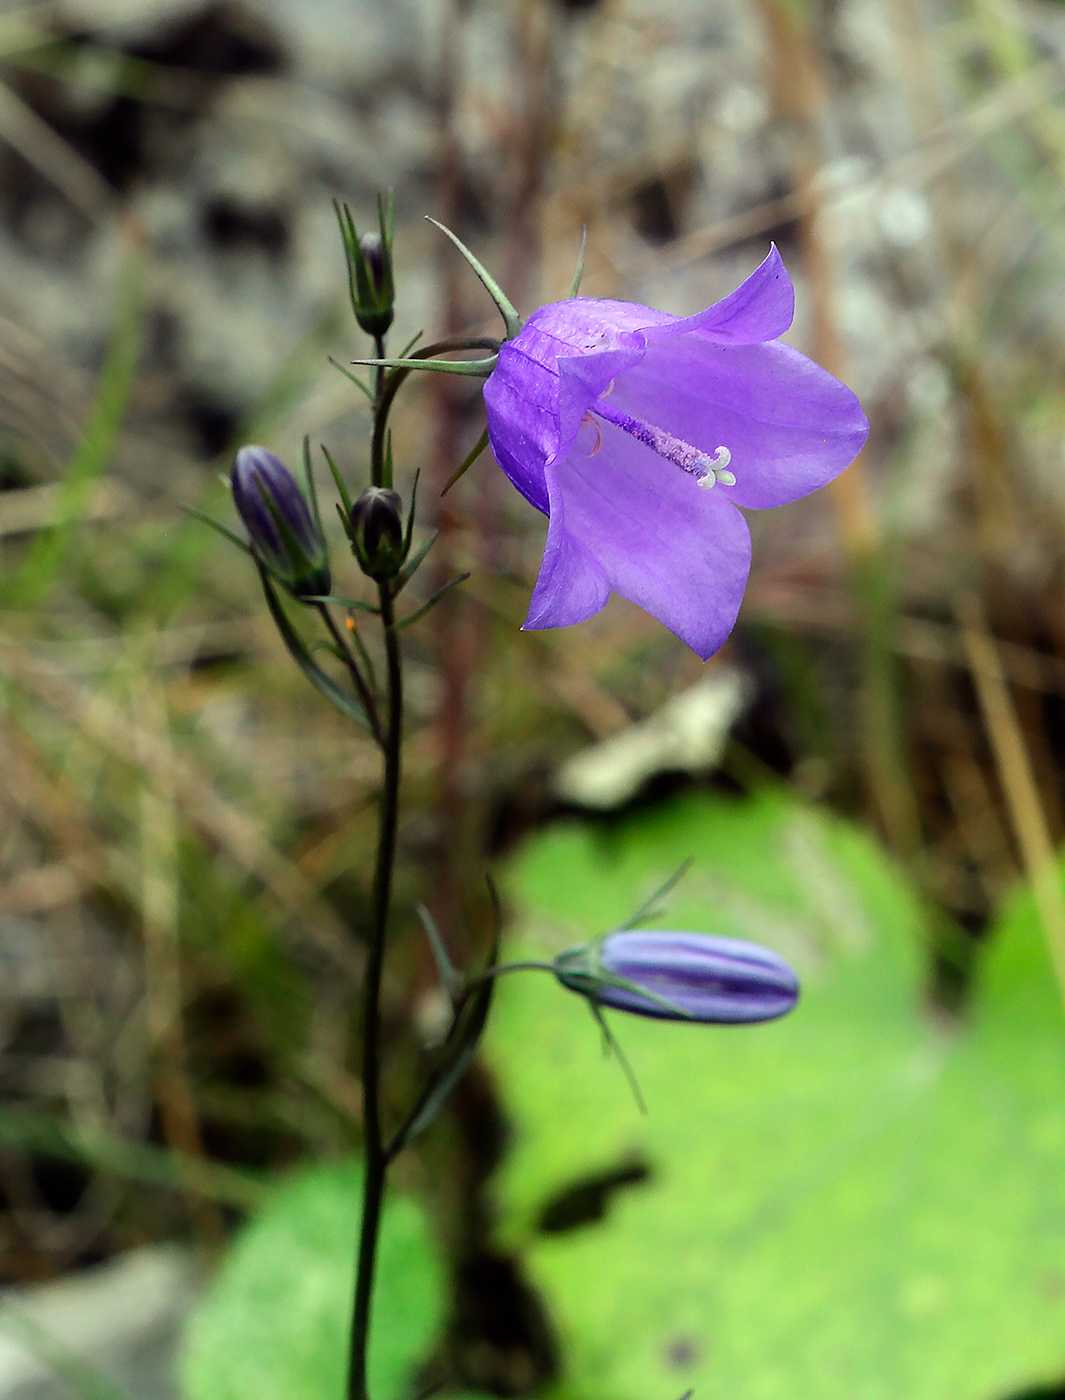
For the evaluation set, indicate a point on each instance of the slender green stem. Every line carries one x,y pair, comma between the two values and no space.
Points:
376,1156
359,681
390,384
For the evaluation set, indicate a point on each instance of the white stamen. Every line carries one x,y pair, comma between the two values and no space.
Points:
716,470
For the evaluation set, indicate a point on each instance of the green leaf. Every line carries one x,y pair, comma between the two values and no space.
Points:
321,680
854,1201
274,1324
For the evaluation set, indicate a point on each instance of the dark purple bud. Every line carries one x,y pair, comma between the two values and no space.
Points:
681,976
377,534
373,255
279,524
369,262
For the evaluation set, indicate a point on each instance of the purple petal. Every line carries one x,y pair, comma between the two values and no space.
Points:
679,551
789,425
711,978
571,586
760,309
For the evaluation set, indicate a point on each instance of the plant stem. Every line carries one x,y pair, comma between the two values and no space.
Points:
365,694
376,1156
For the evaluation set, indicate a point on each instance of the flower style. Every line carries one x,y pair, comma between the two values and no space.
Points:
638,434
680,976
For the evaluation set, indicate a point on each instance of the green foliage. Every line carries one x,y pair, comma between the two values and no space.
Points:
274,1326
856,1201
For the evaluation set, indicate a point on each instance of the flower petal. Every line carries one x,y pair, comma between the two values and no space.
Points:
789,425
760,309
532,415
679,551
571,586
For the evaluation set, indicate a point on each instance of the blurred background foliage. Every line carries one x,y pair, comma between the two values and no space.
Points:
871,777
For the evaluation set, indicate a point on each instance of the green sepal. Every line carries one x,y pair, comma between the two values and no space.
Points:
342,490
450,977
581,970
579,273
337,600
412,565
408,537
481,368
223,530
612,1044
481,444
321,680
305,572
458,1051
511,319
312,490
650,909
353,377
447,587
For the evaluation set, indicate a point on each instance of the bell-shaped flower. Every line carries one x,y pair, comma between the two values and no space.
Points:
680,976
640,433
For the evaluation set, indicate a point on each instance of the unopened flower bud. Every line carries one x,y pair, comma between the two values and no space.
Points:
280,527
377,534
369,260
680,976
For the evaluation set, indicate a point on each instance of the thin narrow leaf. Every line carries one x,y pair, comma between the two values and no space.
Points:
450,976
481,368
410,345
221,529
481,444
312,491
338,601
354,377
576,286
364,655
415,616
411,567
459,1049
409,532
650,910
321,680
611,1044
511,319
342,490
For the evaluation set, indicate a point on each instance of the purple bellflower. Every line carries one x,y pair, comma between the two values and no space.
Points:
680,976
638,434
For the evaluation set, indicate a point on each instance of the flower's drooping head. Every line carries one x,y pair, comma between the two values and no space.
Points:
282,533
639,433
680,976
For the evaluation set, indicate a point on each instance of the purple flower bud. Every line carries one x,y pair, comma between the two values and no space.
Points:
377,532
680,976
279,524
369,262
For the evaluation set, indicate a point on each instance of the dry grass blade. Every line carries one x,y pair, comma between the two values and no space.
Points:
223,822
1018,781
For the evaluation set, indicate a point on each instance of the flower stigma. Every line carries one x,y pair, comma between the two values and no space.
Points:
707,470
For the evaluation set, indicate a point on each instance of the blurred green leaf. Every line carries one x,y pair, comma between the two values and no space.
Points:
855,1201
274,1325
